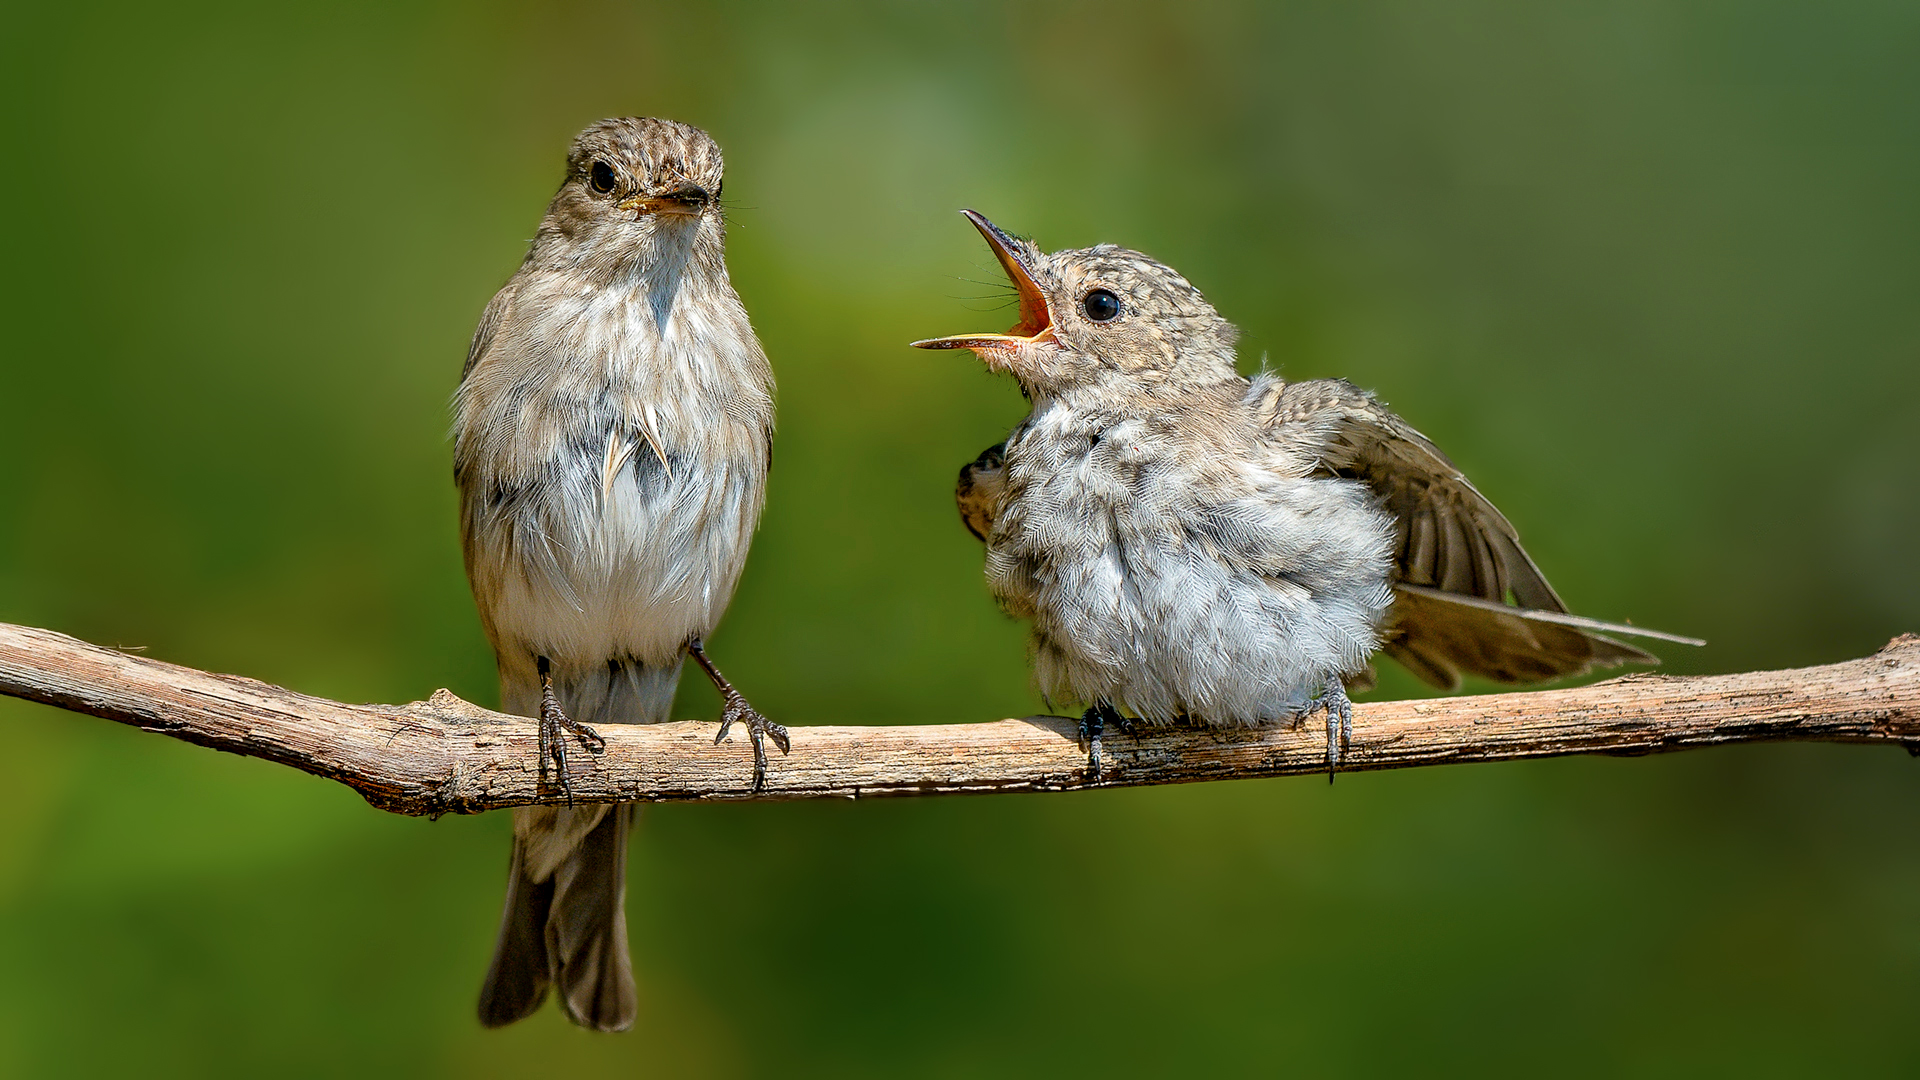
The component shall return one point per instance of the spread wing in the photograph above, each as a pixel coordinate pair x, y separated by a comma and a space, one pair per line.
1468, 598
978, 493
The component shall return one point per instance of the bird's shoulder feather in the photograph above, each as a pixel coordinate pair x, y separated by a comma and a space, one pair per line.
490, 320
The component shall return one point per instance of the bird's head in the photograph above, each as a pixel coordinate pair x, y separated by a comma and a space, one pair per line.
637, 186
1099, 316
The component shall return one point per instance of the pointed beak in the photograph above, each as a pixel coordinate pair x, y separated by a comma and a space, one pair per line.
687, 199
1035, 323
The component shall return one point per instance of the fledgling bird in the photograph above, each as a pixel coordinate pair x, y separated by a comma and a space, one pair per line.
1194, 546
612, 436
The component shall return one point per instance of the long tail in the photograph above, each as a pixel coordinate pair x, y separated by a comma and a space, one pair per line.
568, 925
565, 920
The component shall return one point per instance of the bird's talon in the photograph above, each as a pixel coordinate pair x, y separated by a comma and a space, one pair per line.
1334, 702
555, 726
758, 729
736, 708
1093, 723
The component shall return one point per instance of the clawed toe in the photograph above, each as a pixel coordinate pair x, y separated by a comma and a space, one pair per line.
1088, 739
588, 737
1334, 702
735, 709
555, 725
1093, 724
759, 729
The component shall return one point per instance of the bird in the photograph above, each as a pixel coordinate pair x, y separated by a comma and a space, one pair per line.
1197, 547
612, 437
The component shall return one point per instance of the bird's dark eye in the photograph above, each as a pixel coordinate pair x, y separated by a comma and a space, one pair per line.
600, 177
1101, 305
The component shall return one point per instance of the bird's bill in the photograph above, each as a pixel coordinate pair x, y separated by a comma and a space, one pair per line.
684, 199
1036, 323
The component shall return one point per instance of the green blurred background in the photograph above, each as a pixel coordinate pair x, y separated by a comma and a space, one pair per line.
1647, 271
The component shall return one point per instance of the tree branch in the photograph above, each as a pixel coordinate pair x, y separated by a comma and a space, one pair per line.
446, 755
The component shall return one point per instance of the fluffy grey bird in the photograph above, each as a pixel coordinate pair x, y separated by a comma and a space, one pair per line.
612, 438
1194, 546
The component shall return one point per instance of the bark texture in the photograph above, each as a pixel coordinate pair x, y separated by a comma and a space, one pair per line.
446, 755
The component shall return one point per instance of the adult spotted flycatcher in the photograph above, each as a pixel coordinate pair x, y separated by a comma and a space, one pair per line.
612, 438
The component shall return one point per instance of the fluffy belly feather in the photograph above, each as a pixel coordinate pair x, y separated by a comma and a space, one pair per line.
1154, 610
586, 568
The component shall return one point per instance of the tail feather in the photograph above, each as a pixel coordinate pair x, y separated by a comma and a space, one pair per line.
518, 979
565, 921
586, 931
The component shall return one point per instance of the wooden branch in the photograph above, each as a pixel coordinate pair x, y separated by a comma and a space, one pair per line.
445, 755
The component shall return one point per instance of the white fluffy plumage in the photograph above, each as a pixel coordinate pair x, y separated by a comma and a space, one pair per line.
1177, 577
1193, 545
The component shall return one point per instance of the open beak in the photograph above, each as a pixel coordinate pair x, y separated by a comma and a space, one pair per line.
684, 199
1035, 324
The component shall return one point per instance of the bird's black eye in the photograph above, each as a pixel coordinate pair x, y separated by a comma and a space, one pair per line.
1101, 305
600, 177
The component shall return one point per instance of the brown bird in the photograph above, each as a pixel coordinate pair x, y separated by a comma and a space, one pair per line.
612, 437
1195, 546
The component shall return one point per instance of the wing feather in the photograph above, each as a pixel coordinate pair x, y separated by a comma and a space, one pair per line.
1460, 567
490, 319
978, 491
1468, 597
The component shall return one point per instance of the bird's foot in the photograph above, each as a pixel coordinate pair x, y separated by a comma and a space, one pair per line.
555, 726
737, 711
1093, 724
1334, 702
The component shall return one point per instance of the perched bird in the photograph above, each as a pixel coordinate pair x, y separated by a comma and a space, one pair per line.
1197, 547
612, 437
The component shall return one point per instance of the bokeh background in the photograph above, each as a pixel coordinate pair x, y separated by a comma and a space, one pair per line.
1648, 271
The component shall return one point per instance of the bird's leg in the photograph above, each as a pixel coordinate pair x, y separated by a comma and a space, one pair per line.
555, 724
735, 708
1093, 724
1339, 709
